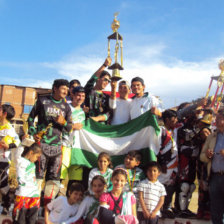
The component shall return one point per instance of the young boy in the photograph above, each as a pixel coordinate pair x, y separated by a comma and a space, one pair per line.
134, 174
74, 172
8, 140
61, 208
151, 195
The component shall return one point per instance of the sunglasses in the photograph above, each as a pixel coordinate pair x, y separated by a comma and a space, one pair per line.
106, 80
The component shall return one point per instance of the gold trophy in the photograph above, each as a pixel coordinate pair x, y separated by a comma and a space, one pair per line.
44, 131
116, 67
27, 140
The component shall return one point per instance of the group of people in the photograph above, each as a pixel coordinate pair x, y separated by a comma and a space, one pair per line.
190, 145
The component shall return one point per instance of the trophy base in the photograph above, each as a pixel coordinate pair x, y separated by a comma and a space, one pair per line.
28, 141
114, 78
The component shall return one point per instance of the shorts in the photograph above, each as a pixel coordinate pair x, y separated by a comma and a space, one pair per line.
25, 209
74, 172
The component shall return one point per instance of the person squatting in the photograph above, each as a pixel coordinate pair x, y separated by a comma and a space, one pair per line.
137, 190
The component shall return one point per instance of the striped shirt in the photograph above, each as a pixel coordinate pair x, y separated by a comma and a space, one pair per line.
152, 192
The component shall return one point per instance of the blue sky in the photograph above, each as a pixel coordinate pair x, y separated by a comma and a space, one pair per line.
174, 45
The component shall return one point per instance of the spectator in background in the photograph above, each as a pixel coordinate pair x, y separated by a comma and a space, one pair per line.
72, 84
213, 154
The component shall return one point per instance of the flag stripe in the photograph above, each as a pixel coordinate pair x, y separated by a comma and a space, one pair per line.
121, 130
142, 133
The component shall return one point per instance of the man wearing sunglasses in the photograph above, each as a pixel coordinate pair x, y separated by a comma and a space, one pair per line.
96, 100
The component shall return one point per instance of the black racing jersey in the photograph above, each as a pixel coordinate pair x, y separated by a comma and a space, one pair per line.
46, 109
98, 102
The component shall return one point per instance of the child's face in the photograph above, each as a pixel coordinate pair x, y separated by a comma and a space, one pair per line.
2, 114
130, 162
1, 111
153, 173
75, 197
118, 182
34, 156
103, 163
97, 188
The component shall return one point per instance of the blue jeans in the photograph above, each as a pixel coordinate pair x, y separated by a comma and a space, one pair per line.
216, 189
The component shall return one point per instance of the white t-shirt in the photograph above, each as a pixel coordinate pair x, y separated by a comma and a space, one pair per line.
151, 194
86, 206
142, 104
26, 176
61, 210
121, 110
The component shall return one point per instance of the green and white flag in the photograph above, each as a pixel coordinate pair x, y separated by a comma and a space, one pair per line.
142, 133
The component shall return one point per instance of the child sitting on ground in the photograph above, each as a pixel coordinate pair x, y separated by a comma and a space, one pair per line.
88, 208
151, 195
62, 208
104, 165
134, 174
117, 206
27, 201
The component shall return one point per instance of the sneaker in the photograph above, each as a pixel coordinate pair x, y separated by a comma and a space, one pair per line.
168, 214
182, 214
186, 214
190, 213
175, 211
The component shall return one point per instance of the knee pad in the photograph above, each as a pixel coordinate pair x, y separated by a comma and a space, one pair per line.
185, 187
183, 196
51, 189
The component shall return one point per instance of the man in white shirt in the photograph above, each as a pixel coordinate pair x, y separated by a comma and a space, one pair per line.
142, 101
121, 105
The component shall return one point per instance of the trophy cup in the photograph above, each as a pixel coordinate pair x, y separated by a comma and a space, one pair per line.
116, 67
27, 139
220, 83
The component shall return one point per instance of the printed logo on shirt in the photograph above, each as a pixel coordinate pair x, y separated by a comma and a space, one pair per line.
54, 111
46, 102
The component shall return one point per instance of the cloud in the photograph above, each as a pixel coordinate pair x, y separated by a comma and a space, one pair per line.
173, 79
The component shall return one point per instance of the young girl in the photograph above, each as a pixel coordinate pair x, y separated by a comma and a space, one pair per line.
61, 208
104, 165
27, 199
118, 206
88, 208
